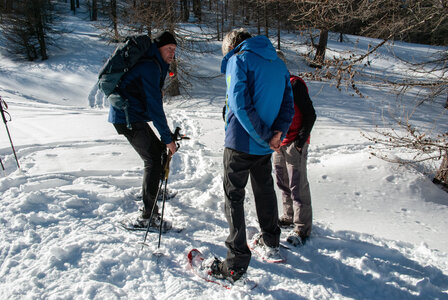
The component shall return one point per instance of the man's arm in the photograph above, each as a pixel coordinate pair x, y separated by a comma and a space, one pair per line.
154, 103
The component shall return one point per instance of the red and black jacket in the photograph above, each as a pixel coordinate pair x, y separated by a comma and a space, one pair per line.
304, 114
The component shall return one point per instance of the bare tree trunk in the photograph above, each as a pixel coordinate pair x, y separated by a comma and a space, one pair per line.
217, 21
278, 25
234, 12
226, 5
245, 6
94, 10
113, 11
266, 19
174, 87
40, 33
197, 10
321, 48
258, 17
222, 20
72, 6
8, 5
185, 10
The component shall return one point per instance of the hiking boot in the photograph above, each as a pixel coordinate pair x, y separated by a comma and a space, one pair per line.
269, 253
285, 221
169, 195
295, 239
142, 222
220, 271
156, 220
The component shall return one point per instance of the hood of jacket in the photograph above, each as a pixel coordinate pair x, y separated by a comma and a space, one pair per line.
259, 45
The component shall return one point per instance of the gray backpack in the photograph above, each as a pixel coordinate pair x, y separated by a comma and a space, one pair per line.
125, 56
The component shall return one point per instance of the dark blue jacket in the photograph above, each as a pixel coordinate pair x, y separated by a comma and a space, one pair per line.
142, 86
259, 96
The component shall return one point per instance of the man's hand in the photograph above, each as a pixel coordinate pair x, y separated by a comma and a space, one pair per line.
172, 147
275, 141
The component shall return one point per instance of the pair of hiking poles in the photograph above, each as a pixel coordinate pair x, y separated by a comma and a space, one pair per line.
6, 118
166, 159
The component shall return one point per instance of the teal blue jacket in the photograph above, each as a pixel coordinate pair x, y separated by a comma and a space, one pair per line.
259, 97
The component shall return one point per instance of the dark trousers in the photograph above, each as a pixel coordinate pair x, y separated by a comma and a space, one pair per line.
237, 168
150, 149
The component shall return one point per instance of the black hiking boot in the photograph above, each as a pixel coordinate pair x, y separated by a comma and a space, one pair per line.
142, 222
220, 271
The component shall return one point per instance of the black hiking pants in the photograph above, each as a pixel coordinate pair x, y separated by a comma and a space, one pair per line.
150, 148
237, 168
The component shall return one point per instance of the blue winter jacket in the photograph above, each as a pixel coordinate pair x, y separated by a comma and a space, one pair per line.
259, 96
142, 86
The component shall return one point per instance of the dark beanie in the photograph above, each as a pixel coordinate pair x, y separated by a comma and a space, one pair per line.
164, 38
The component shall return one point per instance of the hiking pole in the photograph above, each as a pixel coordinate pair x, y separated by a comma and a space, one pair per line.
167, 171
3, 108
164, 158
176, 137
152, 213
1, 163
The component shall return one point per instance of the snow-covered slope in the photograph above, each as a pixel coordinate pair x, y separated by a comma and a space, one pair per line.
379, 233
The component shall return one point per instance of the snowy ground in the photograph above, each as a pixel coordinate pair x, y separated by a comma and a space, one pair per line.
380, 230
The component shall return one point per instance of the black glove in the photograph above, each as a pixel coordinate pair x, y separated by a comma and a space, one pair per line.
224, 113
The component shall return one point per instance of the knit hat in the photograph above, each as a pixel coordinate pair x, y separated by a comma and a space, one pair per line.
164, 38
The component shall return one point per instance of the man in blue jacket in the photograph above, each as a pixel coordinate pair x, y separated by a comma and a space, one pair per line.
259, 110
142, 86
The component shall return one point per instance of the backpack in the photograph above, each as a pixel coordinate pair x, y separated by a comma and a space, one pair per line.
293, 78
125, 56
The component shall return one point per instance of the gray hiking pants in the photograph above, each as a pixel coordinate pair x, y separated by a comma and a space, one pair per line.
290, 171
237, 168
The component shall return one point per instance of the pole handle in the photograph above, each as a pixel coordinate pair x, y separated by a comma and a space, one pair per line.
3, 108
